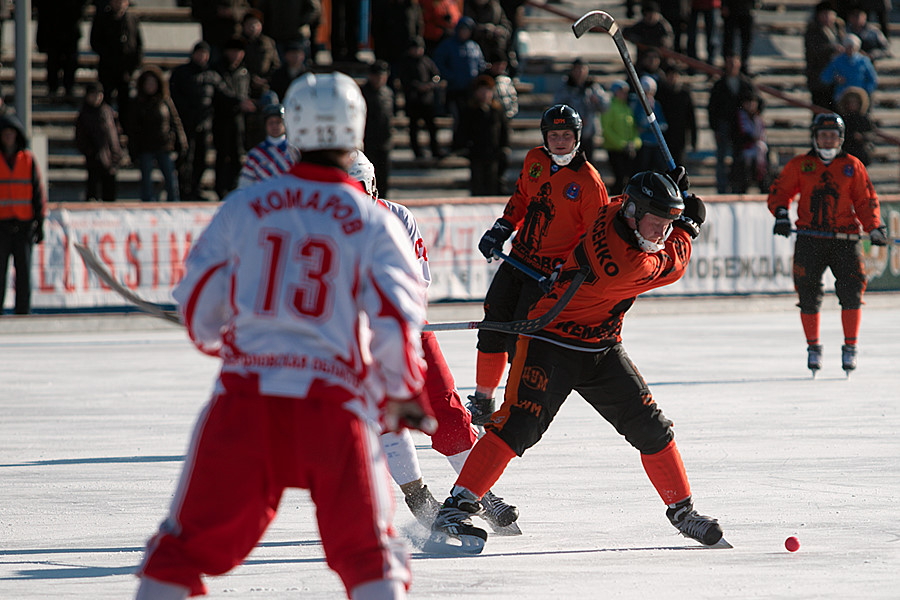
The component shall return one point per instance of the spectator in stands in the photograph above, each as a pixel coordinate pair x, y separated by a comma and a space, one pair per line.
116, 38
421, 82
395, 24
651, 30
724, 100
195, 88
460, 61
378, 138
587, 97
677, 104
504, 86
853, 106
822, 42
651, 63
260, 55
97, 138
850, 69
229, 118
154, 133
273, 156
23, 205
879, 9
751, 151
709, 10
345, 19
620, 137
287, 21
485, 137
875, 44
737, 16
220, 20
440, 17
58, 32
676, 12
649, 157
493, 31
294, 66
261, 60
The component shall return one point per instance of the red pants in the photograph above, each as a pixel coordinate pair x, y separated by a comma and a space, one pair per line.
247, 448
454, 433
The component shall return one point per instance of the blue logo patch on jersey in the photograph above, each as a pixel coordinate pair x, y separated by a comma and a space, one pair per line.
572, 191
848, 170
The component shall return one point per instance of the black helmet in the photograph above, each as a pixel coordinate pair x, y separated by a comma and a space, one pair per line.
273, 110
561, 116
650, 192
828, 121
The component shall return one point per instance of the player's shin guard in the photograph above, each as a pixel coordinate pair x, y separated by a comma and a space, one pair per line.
489, 369
666, 471
850, 321
485, 464
810, 322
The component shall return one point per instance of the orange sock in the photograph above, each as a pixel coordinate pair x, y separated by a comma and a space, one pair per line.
666, 472
485, 464
850, 321
810, 323
489, 369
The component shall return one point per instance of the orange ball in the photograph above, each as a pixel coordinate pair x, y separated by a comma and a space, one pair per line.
792, 544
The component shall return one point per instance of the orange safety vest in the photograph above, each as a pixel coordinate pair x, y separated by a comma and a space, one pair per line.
16, 188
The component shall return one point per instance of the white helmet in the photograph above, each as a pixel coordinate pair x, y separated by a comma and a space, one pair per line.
363, 170
324, 111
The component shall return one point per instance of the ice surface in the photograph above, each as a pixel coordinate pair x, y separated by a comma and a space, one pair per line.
94, 424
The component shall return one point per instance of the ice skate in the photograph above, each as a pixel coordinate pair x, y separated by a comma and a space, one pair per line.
423, 506
500, 515
848, 358
452, 531
481, 408
814, 358
690, 523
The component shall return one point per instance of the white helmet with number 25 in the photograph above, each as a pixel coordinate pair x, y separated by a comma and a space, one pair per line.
325, 111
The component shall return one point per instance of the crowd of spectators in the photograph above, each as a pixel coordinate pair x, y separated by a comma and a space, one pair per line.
433, 58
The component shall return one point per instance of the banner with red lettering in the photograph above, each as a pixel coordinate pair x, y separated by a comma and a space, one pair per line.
144, 248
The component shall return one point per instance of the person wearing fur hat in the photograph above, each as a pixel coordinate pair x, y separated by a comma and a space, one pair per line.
23, 205
853, 106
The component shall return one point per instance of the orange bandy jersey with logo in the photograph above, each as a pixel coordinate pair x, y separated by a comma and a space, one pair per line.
835, 197
617, 272
551, 210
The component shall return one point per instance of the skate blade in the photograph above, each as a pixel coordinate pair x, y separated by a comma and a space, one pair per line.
722, 544
442, 543
511, 529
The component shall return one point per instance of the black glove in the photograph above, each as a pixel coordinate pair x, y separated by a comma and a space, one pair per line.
37, 232
878, 236
693, 215
680, 177
782, 222
494, 237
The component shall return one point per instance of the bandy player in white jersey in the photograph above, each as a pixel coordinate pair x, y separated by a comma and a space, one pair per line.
455, 436
309, 294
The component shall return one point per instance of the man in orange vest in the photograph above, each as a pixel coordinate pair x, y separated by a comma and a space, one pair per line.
23, 205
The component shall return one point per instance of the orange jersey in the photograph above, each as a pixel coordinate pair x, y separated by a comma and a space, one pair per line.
552, 207
617, 272
837, 197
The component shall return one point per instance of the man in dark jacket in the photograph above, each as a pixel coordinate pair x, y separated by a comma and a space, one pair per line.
194, 87
724, 101
379, 112
58, 32
116, 38
23, 205
229, 124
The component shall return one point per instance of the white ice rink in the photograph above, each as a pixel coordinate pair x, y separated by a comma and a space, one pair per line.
94, 424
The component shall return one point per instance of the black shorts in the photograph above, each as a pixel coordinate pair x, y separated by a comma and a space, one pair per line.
812, 255
509, 298
543, 375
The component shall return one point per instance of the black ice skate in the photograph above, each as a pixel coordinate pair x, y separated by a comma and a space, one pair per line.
481, 408
423, 506
690, 523
452, 531
500, 515
848, 358
814, 358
